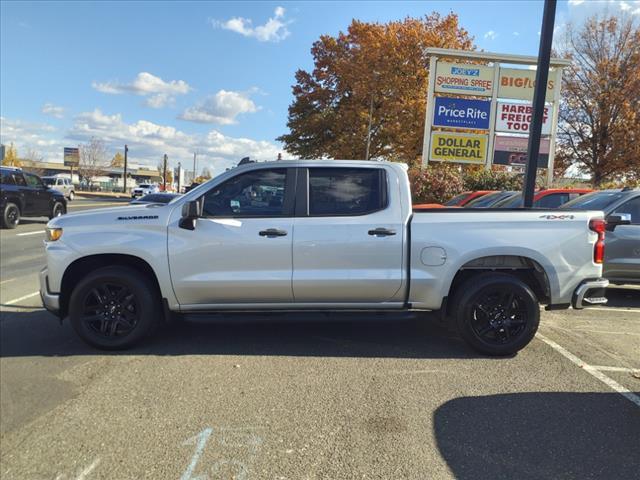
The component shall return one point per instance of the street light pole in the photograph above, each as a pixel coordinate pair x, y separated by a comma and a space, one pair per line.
366, 157
539, 95
164, 174
124, 187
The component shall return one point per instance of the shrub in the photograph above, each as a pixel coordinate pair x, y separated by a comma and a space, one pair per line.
435, 184
477, 178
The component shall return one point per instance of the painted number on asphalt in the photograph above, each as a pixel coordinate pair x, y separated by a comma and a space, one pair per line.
238, 445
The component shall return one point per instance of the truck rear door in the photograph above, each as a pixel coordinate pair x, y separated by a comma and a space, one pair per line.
348, 236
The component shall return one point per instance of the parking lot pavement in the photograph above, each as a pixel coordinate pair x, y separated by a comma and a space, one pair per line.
299, 396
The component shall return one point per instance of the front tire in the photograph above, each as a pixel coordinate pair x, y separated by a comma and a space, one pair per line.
10, 215
72, 195
114, 308
57, 210
496, 314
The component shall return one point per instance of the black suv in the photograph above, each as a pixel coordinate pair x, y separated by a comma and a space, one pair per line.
24, 194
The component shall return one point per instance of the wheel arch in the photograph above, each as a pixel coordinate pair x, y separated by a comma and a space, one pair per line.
79, 268
522, 267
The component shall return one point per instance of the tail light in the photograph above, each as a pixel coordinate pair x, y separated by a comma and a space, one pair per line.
599, 226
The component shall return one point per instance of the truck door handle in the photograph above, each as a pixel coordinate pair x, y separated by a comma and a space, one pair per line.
272, 232
382, 232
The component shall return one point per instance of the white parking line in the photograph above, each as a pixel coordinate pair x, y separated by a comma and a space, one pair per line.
609, 382
603, 368
29, 233
101, 204
2, 282
611, 309
24, 297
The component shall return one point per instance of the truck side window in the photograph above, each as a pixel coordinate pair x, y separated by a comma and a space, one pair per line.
259, 193
346, 191
632, 207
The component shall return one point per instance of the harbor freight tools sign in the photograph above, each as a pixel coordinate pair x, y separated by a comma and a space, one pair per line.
516, 118
519, 84
513, 151
459, 148
71, 157
464, 78
462, 113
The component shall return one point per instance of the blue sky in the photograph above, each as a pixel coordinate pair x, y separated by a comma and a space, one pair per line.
211, 77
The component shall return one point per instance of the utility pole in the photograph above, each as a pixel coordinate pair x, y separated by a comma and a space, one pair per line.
366, 157
124, 187
164, 174
179, 170
539, 95
194, 168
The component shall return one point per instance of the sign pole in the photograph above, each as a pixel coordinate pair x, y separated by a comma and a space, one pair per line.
492, 116
164, 174
429, 113
539, 94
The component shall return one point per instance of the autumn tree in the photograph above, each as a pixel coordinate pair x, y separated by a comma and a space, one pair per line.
93, 159
373, 78
599, 129
117, 161
11, 157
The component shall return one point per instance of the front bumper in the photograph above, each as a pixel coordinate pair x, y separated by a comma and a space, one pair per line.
50, 301
589, 293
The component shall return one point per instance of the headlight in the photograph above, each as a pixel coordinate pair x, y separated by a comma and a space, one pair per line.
53, 234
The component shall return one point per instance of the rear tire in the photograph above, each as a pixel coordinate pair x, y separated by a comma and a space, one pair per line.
72, 195
114, 308
57, 210
496, 314
10, 215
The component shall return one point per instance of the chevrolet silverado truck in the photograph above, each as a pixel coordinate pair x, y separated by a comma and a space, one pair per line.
319, 235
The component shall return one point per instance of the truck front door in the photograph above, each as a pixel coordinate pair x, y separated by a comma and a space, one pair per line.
240, 250
348, 236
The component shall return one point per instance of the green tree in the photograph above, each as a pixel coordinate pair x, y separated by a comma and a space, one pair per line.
373, 78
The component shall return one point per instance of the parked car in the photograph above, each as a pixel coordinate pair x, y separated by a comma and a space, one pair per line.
230, 244
155, 198
61, 184
144, 189
546, 198
490, 199
622, 243
466, 197
25, 195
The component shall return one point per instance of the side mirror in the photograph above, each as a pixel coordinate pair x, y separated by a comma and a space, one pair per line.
191, 211
618, 219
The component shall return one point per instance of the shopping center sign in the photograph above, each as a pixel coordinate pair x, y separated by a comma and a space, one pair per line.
462, 113
513, 151
458, 147
464, 78
520, 84
516, 118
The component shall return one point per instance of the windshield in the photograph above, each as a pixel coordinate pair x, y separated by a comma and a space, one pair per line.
457, 199
489, 200
593, 201
144, 185
49, 181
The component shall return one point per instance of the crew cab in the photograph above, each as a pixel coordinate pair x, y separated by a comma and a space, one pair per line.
318, 235
24, 194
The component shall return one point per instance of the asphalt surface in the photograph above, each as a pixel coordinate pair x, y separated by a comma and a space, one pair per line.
313, 396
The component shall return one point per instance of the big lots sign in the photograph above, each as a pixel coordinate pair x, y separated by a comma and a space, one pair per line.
516, 118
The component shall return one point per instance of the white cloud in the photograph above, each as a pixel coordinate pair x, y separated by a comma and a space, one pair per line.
576, 2
148, 141
53, 110
274, 30
159, 93
490, 35
221, 108
26, 136
516, 34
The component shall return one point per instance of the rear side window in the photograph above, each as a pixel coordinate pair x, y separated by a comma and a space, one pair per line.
6, 178
346, 191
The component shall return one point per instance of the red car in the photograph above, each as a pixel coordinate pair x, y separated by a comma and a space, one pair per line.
458, 201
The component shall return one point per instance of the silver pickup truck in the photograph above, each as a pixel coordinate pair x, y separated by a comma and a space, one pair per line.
319, 235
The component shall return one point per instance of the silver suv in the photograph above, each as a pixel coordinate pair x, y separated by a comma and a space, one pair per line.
622, 241
61, 184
